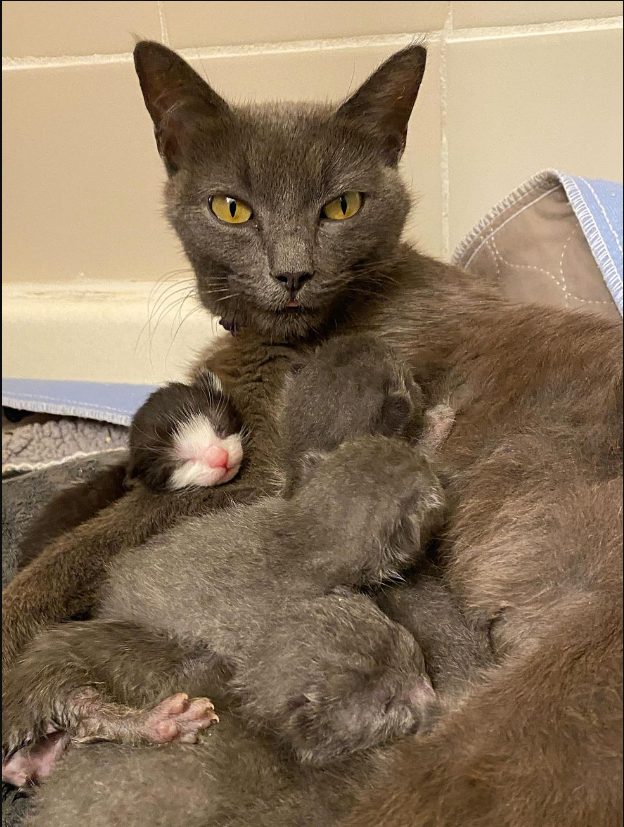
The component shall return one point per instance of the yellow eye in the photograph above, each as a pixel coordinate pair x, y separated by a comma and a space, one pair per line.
344, 206
230, 209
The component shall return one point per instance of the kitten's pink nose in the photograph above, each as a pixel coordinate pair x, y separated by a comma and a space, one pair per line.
216, 457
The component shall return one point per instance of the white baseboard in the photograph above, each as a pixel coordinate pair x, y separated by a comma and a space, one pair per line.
99, 331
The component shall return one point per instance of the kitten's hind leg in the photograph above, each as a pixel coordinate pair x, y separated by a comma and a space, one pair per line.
71, 680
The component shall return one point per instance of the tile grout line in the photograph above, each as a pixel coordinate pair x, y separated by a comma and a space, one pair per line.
211, 52
592, 24
330, 44
444, 150
164, 31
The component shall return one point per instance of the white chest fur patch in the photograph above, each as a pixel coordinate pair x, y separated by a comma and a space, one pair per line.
201, 457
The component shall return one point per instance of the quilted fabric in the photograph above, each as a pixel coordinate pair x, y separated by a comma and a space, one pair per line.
555, 240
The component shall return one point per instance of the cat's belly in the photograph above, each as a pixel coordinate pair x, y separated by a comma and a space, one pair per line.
533, 536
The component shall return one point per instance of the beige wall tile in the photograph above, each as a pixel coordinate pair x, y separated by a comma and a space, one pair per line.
54, 28
215, 23
82, 179
98, 334
519, 105
467, 14
81, 182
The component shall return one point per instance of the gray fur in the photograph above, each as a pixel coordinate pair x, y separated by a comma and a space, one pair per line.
253, 588
286, 163
233, 778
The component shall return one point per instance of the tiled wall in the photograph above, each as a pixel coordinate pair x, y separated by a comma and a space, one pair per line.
511, 88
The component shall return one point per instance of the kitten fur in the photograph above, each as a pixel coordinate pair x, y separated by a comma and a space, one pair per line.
532, 545
186, 435
327, 672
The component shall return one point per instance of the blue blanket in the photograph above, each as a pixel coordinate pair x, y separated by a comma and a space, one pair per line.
599, 208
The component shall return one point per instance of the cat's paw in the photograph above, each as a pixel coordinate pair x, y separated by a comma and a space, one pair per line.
177, 718
23, 724
30, 764
30, 743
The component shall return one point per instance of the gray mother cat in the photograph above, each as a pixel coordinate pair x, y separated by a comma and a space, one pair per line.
534, 536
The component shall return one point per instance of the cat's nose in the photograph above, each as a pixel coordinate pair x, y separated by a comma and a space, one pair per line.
293, 282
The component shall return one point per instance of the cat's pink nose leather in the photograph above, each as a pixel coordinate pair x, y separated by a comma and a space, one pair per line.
216, 457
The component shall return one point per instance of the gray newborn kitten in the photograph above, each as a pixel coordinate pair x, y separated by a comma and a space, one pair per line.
263, 590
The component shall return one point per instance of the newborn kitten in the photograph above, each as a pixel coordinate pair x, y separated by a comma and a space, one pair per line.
255, 588
186, 435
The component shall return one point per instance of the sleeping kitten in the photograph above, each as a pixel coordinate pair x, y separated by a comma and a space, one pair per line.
185, 436
255, 588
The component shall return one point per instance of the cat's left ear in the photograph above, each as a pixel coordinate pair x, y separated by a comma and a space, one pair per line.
382, 106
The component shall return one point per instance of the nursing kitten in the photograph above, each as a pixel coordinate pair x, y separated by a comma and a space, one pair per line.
327, 672
185, 436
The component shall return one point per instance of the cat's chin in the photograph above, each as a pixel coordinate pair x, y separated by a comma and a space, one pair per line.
285, 325
288, 324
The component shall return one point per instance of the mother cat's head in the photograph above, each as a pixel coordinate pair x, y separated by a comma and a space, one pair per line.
283, 210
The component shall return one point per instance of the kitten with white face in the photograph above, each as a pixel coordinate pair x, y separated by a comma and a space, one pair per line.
185, 436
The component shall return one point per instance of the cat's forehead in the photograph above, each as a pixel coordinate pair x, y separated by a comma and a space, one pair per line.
299, 145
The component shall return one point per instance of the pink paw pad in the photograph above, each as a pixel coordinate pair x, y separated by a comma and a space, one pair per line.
31, 764
179, 718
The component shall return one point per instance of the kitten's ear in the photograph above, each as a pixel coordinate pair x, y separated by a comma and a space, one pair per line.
177, 99
383, 104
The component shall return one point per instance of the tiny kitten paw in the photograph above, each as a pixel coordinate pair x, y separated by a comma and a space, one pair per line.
27, 766
177, 718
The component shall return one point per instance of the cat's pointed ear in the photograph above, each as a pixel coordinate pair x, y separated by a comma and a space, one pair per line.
176, 97
383, 104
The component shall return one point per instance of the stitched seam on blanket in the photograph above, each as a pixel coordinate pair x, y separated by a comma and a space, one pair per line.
510, 201
595, 239
506, 221
604, 212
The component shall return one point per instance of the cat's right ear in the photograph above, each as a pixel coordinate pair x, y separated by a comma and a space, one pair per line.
178, 100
